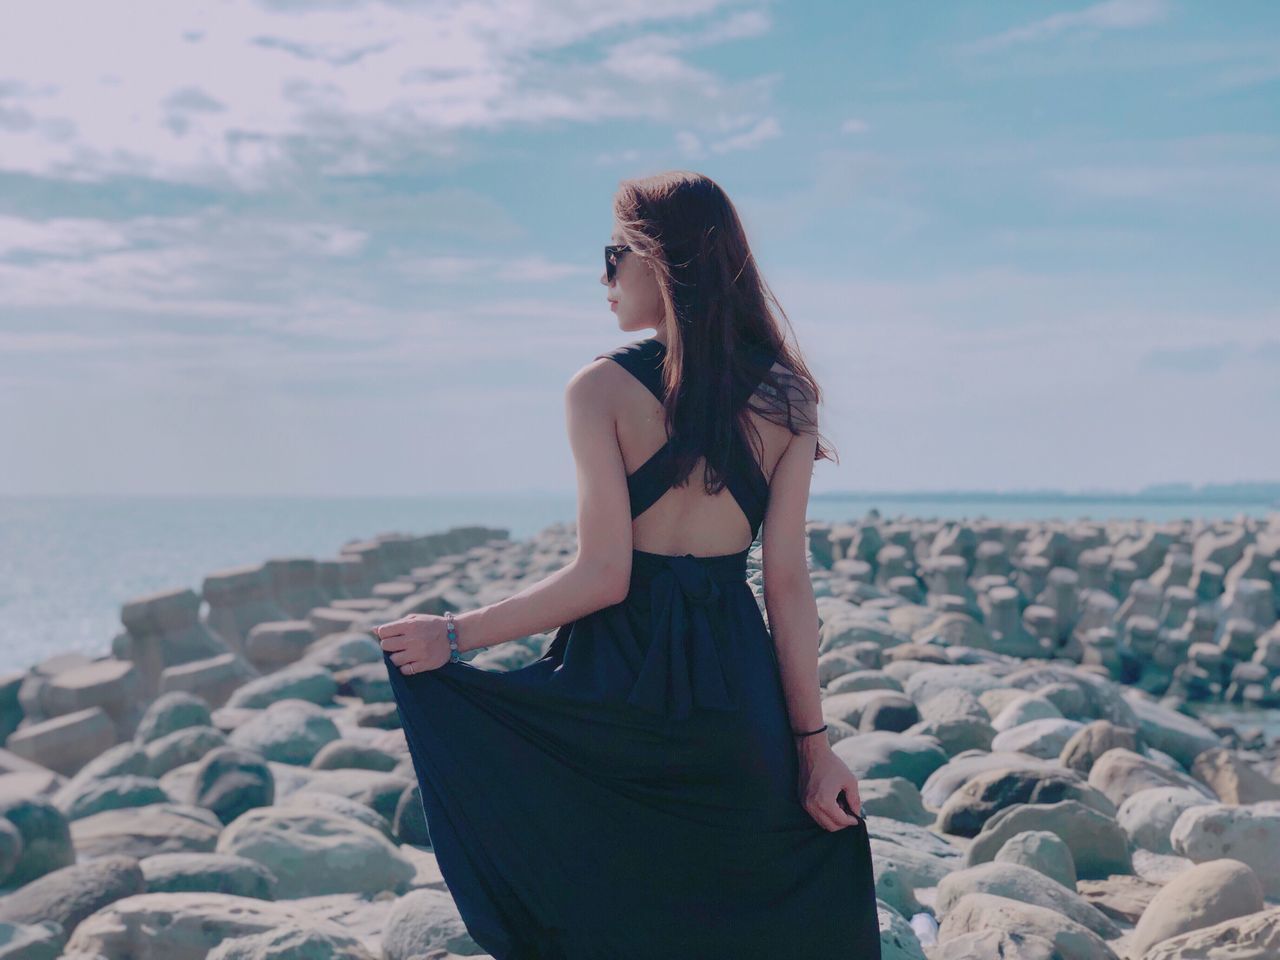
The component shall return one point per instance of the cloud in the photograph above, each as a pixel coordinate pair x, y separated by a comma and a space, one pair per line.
854, 125
1211, 357
767, 128
1109, 15
252, 95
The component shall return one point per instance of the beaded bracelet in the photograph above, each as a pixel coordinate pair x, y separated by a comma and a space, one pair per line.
451, 627
811, 732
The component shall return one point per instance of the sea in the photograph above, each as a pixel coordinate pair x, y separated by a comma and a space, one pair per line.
69, 563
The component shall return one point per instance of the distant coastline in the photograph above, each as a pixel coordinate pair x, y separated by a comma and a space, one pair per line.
1250, 494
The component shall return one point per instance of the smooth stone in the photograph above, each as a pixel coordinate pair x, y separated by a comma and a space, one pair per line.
1026, 885
1098, 846
976, 912
141, 832
207, 873
313, 852
1043, 851
69, 894
187, 926
1148, 816
1207, 894
1243, 833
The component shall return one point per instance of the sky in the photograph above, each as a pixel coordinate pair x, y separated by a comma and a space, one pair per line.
354, 248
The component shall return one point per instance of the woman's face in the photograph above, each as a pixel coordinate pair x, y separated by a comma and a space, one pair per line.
634, 294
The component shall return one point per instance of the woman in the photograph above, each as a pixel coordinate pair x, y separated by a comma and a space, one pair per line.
659, 784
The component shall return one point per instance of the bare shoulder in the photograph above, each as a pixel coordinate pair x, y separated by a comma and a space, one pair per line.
594, 382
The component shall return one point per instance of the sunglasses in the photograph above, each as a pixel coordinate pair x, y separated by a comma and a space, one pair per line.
611, 254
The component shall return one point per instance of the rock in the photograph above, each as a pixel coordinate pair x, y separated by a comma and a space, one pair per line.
898, 940
343, 806
1208, 893
410, 822
1252, 937
1232, 778
888, 710
1120, 773
42, 941
996, 945
1039, 738
380, 791
1024, 709
289, 731
67, 742
342, 651
112, 793
69, 894
1027, 886
144, 831
230, 780
120, 760
10, 848
1148, 816
1092, 741
990, 791
303, 681
946, 780
112, 685
1180, 736
928, 682
1098, 846
1247, 834
46, 837
348, 754
277, 643
1120, 897
290, 943
312, 852
171, 712
164, 630
212, 679
425, 920
883, 753
182, 746
208, 873
369, 682
1042, 851
894, 797
977, 912
187, 926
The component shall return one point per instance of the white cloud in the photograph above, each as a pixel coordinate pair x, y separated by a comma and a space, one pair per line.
854, 125
250, 95
1109, 15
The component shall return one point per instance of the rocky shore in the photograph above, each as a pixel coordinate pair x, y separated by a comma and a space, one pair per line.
1017, 699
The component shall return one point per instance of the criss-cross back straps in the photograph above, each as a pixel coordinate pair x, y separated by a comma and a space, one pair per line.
745, 479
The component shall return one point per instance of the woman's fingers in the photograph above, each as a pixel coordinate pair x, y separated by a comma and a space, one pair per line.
392, 644
401, 657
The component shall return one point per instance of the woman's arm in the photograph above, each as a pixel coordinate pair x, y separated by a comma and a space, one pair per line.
788, 592
793, 621
600, 574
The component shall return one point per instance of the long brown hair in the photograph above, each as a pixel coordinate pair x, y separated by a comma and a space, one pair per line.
720, 320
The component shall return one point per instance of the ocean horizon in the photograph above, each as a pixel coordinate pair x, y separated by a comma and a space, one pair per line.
69, 563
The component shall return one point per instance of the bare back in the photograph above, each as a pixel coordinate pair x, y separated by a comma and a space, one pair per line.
685, 519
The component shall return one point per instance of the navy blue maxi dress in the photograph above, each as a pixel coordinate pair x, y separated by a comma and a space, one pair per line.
632, 794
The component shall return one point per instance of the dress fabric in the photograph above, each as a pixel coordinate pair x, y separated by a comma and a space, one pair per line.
632, 794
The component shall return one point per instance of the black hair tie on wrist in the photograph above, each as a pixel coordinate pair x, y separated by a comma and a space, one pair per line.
811, 732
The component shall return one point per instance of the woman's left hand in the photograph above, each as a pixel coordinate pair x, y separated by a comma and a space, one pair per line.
823, 778
416, 643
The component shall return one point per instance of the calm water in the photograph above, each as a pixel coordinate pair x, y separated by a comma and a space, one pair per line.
67, 564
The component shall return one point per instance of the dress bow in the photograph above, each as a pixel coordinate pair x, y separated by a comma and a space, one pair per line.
683, 666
